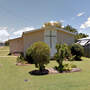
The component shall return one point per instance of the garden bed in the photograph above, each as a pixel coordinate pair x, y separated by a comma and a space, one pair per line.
54, 71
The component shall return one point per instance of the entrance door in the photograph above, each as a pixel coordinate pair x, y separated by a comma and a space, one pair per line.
51, 39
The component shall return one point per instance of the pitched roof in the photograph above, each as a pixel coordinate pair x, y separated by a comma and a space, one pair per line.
26, 32
52, 27
15, 38
87, 38
31, 31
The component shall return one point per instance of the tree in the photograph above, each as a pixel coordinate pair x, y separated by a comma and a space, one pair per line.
67, 28
6, 43
70, 29
56, 24
73, 30
61, 54
80, 35
40, 53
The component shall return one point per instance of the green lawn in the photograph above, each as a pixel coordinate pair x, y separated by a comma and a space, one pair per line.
4, 51
4, 48
13, 77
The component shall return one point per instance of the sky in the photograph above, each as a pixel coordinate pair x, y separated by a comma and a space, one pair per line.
17, 16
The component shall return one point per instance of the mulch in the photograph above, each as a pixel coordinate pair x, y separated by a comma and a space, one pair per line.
48, 70
37, 72
52, 71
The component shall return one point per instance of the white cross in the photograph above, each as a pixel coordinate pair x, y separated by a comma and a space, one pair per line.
50, 38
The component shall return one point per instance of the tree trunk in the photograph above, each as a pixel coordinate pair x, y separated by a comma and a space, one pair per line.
41, 67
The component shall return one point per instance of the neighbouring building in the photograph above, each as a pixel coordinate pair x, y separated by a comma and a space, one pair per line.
50, 35
85, 42
2, 43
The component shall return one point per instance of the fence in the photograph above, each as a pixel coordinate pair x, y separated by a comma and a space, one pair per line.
87, 50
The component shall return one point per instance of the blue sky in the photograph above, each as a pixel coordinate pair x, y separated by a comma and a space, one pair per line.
17, 16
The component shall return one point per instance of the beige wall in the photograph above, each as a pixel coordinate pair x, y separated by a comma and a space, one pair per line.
64, 37
21, 44
16, 45
32, 37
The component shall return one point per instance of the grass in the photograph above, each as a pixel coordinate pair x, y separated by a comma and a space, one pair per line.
14, 77
4, 51
4, 48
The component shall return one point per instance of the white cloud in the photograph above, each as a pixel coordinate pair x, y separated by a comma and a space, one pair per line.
18, 33
3, 28
80, 14
56, 21
86, 24
61, 21
82, 26
62, 26
4, 35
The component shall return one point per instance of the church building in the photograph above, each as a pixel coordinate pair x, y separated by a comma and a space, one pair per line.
50, 35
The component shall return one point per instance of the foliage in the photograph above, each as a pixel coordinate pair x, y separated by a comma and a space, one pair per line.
80, 35
62, 53
21, 59
67, 28
7, 43
28, 57
70, 29
73, 30
71, 57
66, 67
56, 24
12, 75
69, 66
67, 50
40, 54
77, 50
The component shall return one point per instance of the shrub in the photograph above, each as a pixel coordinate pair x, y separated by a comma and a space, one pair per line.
66, 67
69, 66
21, 59
40, 54
66, 48
62, 53
28, 57
77, 51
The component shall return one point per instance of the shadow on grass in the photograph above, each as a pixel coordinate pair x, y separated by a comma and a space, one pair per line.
37, 72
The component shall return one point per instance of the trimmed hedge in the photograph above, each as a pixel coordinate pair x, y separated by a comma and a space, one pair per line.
77, 50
